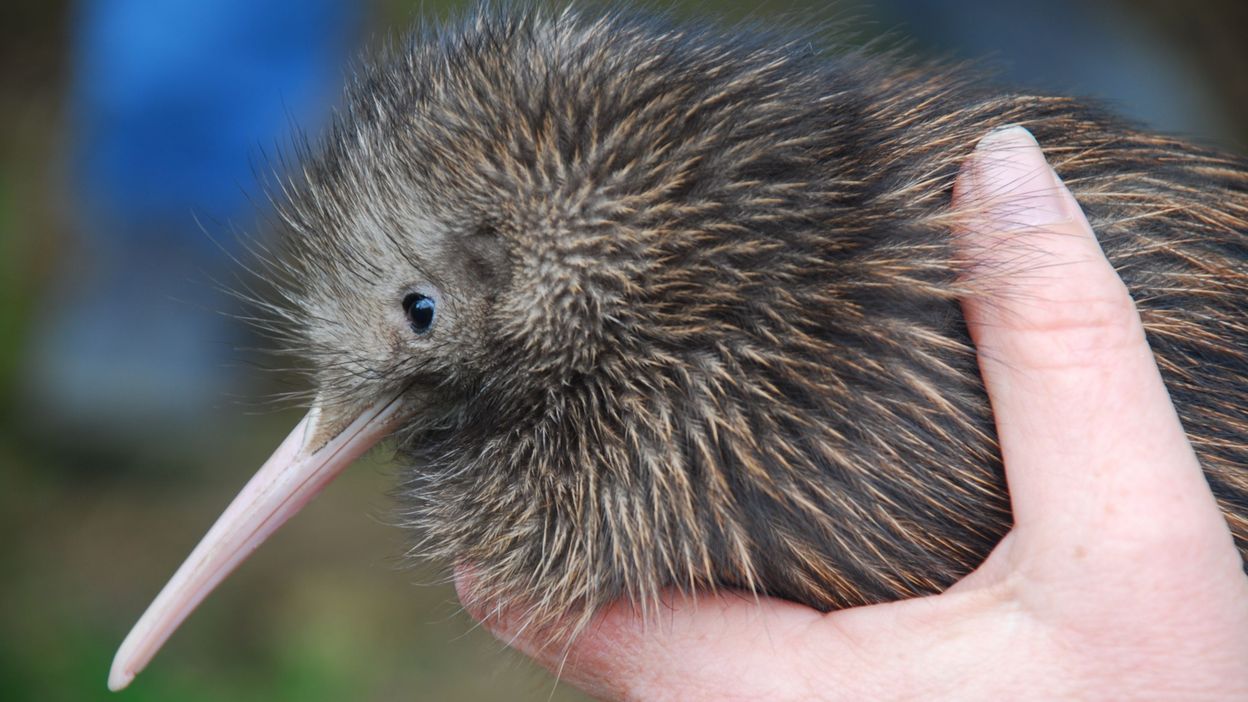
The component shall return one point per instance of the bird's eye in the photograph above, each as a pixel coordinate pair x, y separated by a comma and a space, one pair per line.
420, 312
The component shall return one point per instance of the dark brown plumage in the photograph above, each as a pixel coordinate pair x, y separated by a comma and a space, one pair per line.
669, 306
697, 304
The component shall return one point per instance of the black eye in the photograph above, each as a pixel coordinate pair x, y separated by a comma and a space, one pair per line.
420, 312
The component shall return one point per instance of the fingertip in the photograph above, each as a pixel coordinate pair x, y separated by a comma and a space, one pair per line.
1009, 180
1027, 251
1007, 196
485, 607
464, 579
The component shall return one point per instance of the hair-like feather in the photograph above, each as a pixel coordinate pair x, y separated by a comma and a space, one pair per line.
699, 320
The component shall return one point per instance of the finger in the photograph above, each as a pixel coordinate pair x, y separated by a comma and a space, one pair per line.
689, 648
1090, 439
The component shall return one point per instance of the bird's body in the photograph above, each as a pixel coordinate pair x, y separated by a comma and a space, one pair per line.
696, 294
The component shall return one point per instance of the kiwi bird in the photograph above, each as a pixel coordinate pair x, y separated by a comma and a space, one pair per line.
646, 305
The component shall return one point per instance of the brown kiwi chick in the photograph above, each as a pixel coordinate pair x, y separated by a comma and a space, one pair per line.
650, 306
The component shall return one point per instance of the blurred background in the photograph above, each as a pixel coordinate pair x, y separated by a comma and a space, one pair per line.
131, 408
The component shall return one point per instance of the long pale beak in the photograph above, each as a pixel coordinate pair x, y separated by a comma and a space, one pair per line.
317, 450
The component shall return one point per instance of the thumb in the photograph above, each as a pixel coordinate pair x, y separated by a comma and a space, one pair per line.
1091, 442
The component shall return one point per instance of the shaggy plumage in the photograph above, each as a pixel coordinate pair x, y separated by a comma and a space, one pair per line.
697, 290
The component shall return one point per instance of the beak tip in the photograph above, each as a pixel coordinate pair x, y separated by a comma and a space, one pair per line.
119, 678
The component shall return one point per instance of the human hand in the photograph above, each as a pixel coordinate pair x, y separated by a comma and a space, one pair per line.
1119, 579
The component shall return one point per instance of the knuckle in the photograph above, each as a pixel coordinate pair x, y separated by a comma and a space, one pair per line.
1079, 332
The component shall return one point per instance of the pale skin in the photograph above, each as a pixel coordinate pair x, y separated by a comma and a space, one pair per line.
1119, 579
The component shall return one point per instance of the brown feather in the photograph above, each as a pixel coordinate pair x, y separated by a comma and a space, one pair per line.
702, 324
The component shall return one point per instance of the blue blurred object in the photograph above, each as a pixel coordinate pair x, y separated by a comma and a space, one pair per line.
172, 98
1067, 47
174, 104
